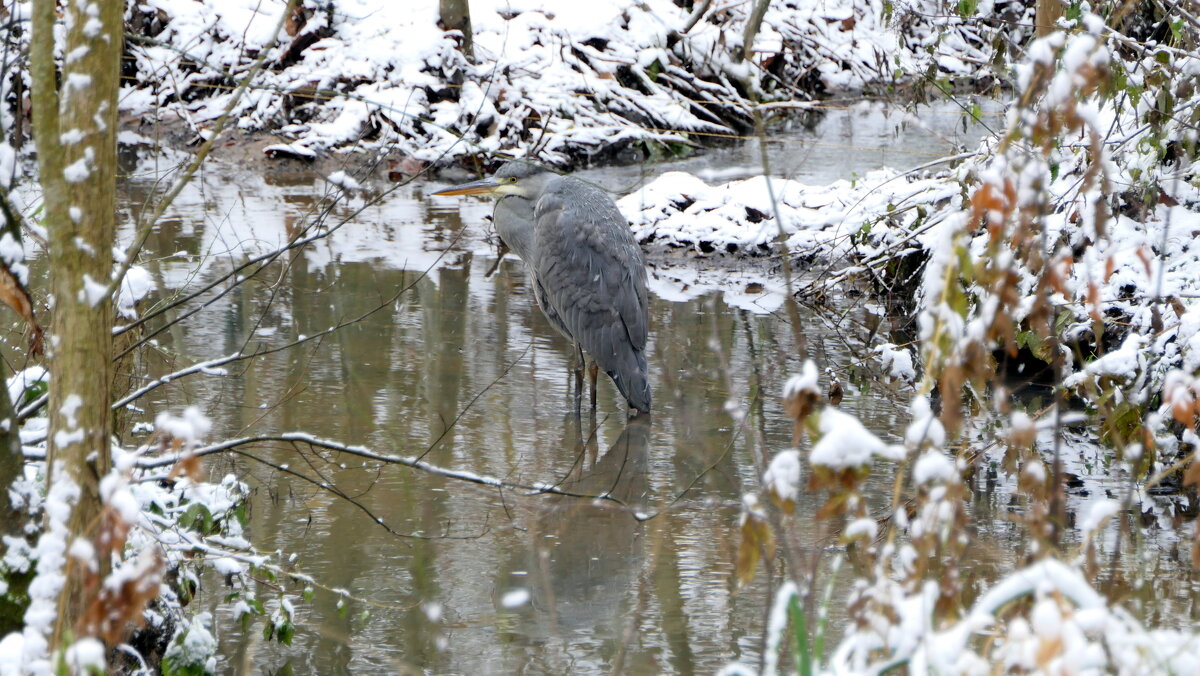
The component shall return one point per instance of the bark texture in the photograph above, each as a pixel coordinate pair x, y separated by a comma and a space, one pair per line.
11, 460
753, 24
75, 127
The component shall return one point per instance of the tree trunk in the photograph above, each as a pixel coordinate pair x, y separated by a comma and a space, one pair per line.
75, 127
12, 462
752, 26
12, 466
456, 15
1048, 14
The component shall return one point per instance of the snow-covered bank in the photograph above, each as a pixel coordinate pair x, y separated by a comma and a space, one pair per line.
1070, 241
1111, 206
748, 216
564, 84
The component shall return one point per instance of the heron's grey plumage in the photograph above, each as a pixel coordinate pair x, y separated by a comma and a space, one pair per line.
586, 269
590, 272
514, 213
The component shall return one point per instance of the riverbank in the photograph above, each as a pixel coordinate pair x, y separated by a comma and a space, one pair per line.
993, 420
574, 86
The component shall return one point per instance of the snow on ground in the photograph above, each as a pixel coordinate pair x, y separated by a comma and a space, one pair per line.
561, 82
749, 216
1140, 268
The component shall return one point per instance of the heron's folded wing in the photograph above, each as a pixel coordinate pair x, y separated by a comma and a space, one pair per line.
590, 268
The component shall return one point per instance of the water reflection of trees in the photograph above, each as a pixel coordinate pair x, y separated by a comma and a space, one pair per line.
397, 380
465, 366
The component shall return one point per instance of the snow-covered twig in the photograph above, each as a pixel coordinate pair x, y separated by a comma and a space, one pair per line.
414, 462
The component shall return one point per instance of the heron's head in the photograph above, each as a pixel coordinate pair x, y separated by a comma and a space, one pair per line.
516, 177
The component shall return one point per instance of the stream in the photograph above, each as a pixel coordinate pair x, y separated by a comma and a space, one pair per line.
441, 358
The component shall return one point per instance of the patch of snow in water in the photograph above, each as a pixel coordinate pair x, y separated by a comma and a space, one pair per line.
515, 598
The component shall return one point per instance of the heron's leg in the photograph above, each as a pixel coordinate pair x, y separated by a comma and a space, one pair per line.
593, 373
578, 370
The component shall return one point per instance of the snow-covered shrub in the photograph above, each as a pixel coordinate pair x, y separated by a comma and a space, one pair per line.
153, 534
1075, 244
193, 649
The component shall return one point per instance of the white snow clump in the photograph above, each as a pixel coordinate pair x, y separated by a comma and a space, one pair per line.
846, 444
783, 475
136, 285
805, 382
897, 362
193, 646
190, 428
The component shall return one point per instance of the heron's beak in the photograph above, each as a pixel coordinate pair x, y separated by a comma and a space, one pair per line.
480, 187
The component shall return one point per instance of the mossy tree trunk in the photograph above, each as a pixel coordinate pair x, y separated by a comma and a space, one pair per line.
12, 465
75, 127
12, 462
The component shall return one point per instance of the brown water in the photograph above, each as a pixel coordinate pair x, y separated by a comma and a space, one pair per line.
603, 588
464, 367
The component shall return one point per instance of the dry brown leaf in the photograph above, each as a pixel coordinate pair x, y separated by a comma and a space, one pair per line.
756, 541
189, 466
1143, 255
1177, 306
117, 609
1093, 295
835, 393
1191, 477
14, 295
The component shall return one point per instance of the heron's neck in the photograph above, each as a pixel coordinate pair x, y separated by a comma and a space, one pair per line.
514, 222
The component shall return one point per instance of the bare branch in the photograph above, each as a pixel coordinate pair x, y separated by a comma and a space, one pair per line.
697, 14
145, 225
414, 462
332, 488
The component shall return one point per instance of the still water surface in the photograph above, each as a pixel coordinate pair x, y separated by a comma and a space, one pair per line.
464, 366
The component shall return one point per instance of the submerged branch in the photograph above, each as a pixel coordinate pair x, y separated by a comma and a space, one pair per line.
414, 462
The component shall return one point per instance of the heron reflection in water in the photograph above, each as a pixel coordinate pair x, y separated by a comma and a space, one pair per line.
581, 558
586, 269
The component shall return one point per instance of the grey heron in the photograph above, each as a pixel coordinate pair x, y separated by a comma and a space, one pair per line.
586, 269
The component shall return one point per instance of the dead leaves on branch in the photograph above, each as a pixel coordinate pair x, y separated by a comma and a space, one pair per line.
757, 541
1012, 291
13, 291
1181, 397
16, 296
800, 397
117, 599
119, 604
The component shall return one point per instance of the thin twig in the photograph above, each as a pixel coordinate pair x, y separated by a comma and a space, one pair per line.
145, 225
